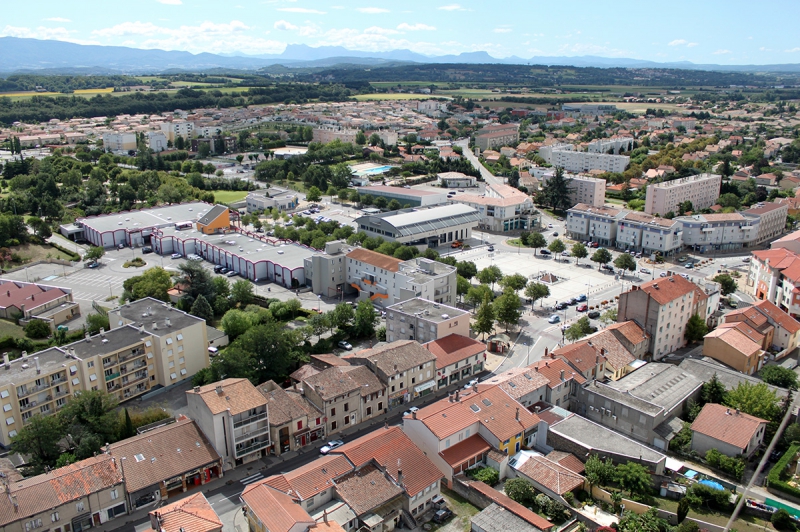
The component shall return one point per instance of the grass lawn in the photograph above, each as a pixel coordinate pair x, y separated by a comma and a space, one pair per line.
743, 522
515, 242
229, 196
462, 508
34, 252
9, 328
95, 91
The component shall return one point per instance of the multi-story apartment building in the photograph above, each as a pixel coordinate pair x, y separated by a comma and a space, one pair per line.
75, 497
582, 188
565, 156
293, 421
502, 208
179, 340
594, 224
702, 190
649, 234
705, 233
423, 320
156, 140
348, 136
119, 142
178, 128
386, 280
612, 146
772, 222
662, 307
405, 368
497, 135
326, 272
233, 415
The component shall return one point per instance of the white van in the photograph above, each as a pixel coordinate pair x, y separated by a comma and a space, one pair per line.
213, 351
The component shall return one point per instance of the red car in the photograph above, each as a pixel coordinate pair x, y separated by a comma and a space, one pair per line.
595, 244
582, 308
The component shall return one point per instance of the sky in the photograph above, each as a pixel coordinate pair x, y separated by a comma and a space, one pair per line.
700, 31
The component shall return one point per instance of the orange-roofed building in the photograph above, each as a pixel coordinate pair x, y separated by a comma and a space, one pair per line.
734, 348
729, 431
457, 357
192, 514
272, 510
562, 380
216, 220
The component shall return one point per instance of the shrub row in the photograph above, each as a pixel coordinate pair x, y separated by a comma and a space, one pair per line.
777, 477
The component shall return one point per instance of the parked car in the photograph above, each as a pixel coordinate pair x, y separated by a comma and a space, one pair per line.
231, 273
608, 267
561, 306
147, 249
456, 244
582, 308
218, 268
344, 345
644, 270
595, 245
582, 297
554, 319
746, 259
682, 259
491, 248
549, 226
560, 218
410, 411
93, 265
662, 274
325, 449
544, 252
470, 384
176, 256
565, 253
572, 301
594, 314
442, 515
555, 233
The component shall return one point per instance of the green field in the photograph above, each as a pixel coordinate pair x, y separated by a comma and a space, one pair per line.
229, 196
393, 96
8, 328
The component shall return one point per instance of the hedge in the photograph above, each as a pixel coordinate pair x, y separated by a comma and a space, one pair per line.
775, 479
74, 256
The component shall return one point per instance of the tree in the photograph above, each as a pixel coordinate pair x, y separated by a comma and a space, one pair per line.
508, 308
361, 138
203, 150
202, 309
222, 287
39, 439
477, 293
782, 520
393, 205
94, 254
484, 318
729, 200
557, 246
579, 251
625, 262
235, 323
381, 202
319, 323
727, 283
127, 430
154, 283
536, 241
364, 320
197, 279
91, 420
609, 316
683, 509
779, 376
242, 293
268, 351
598, 472
95, 322
466, 269
490, 275
634, 478
696, 329
314, 194
646, 522
578, 330
462, 286
515, 281
601, 256
520, 490
37, 329
535, 291
754, 399
556, 191
342, 316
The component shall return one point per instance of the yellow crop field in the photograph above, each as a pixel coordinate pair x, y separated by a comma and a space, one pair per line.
26, 94
95, 91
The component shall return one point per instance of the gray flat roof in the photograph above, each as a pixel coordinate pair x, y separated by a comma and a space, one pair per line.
625, 398
50, 361
435, 310
705, 370
600, 438
662, 384
495, 518
144, 218
398, 191
108, 342
144, 312
420, 220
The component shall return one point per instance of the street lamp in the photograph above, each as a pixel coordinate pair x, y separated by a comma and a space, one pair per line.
319, 302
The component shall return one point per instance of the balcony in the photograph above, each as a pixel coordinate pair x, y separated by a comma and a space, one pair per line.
112, 376
31, 404
248, 420
249, 435
138, 353
32, 389
110, 363
241, 451
129, 369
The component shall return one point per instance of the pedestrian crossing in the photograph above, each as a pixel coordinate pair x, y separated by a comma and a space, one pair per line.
252, 478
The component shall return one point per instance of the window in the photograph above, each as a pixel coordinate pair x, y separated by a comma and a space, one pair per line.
310, 502
54, 517
114, 494
319, 420
346, 407
333, 425
33, 523
180, 349
181, 360
90, 364
6, 408
179, 337
169, 352
346, 420
173, 376
171, 364
300, 425
79, 507
169, 341
369, 410
333, 411
380, 406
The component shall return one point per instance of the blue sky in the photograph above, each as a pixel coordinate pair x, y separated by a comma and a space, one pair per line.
704, 31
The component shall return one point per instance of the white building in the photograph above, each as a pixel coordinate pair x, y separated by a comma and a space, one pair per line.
583, 188
565, 156
424, 321
281, 199
614, 144
501, 208
156, 141
708, 232
594, 224
456, 180
649, 234
772, 222
178, 128
329, 135
702, 190
119, 142
422, 227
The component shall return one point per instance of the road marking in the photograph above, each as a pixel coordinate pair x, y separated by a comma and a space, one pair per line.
531, 347
737, 297
252, 478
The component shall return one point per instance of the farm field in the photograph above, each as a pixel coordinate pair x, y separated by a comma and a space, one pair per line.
393, 96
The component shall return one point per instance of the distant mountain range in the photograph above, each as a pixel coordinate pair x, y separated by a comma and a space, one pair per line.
51, 57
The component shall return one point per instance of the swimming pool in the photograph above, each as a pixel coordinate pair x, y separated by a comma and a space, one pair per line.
373, 171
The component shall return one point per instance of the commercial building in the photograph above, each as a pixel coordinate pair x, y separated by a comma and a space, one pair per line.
457, 358
644, 405
649, 234
232, 414
727, 430
424, 320
293, 421
430, 227
582, 188
594, 224
410, 197
502, 208
50, 304
271, 198
164, 462
725, 231
457, 180
662, 307
386, 280
75, 497
701, 190
326, 272
564, 156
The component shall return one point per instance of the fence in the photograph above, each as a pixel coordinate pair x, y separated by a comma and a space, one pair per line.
100, 310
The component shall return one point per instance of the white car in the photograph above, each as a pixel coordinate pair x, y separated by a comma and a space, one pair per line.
410, 411
325, 449
177, 256
662, 274
549, 226
644, 270
470, 384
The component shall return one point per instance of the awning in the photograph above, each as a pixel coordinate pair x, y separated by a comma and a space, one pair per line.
673, 465
426, 386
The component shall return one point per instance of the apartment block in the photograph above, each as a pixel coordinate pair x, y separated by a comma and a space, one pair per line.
293, 421
583, 189
612, 146
565, 156
423, 320
702, 190
772, 222
178, 128
595, 224
649, 234
662, 307
232, 414
705, 233
329, 135
119, 142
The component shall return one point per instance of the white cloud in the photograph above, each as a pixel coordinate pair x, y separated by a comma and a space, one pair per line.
284, 25
41, 32
170, 2
58, 19
678, 42
792, 50
502, 30
415, 27
691, 45
451, 7
764, 49
721, 52
375, 30
148, 28
130, 28
372, 10
301, 10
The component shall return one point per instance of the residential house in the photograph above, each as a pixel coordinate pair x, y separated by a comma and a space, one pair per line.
734, 347
233, 415
457, 358
705, 369
584, 358
271, 510
547, 476
562, 379
424, 320
293, 421
525, 385
533, 521
192, 514
727, 430
780, 329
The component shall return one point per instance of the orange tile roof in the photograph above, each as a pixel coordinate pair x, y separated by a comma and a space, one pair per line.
236, 395
775, 314
751, 314
465, 449
630, 330
736, 339
393, 450
552, 368
512, 506
727, 425
374, 258
192, 514
365, 489
568, 460
666, 289
606, 343
454, 348
580, 355
550, 474
745, 329
518, 382
277, 510
312, 478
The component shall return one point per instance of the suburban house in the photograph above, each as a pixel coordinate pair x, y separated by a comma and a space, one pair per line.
192, 514
729, 431
546, 475
525, 385
732, 345
457, 358
293, 421
781, 329
584, 358
562, 379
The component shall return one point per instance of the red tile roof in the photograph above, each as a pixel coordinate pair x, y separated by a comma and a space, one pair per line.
393, 450
374, 258
774, 314
454, 348
568, 460
727, 425
277, 510
581, 356
365, 489
552, 368
736, 339
312, 478
235, 395
549, 474
664, 290
192, 514
464, 450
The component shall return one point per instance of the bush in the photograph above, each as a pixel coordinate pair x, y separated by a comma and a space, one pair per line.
487, 475
702, 495
732, 466
37, 329
779, 473
520, 490
782, 520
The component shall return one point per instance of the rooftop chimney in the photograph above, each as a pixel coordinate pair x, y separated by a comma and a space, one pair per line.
475, 387
517, 414
414, 414
196, 389
219, 390
36, 361
155, 326
400, 476
562, 374
168, 323
456, 398
6, 362
102, 332
88, 336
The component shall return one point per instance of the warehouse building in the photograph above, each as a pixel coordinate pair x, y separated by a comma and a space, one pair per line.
422, 227
405, 196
